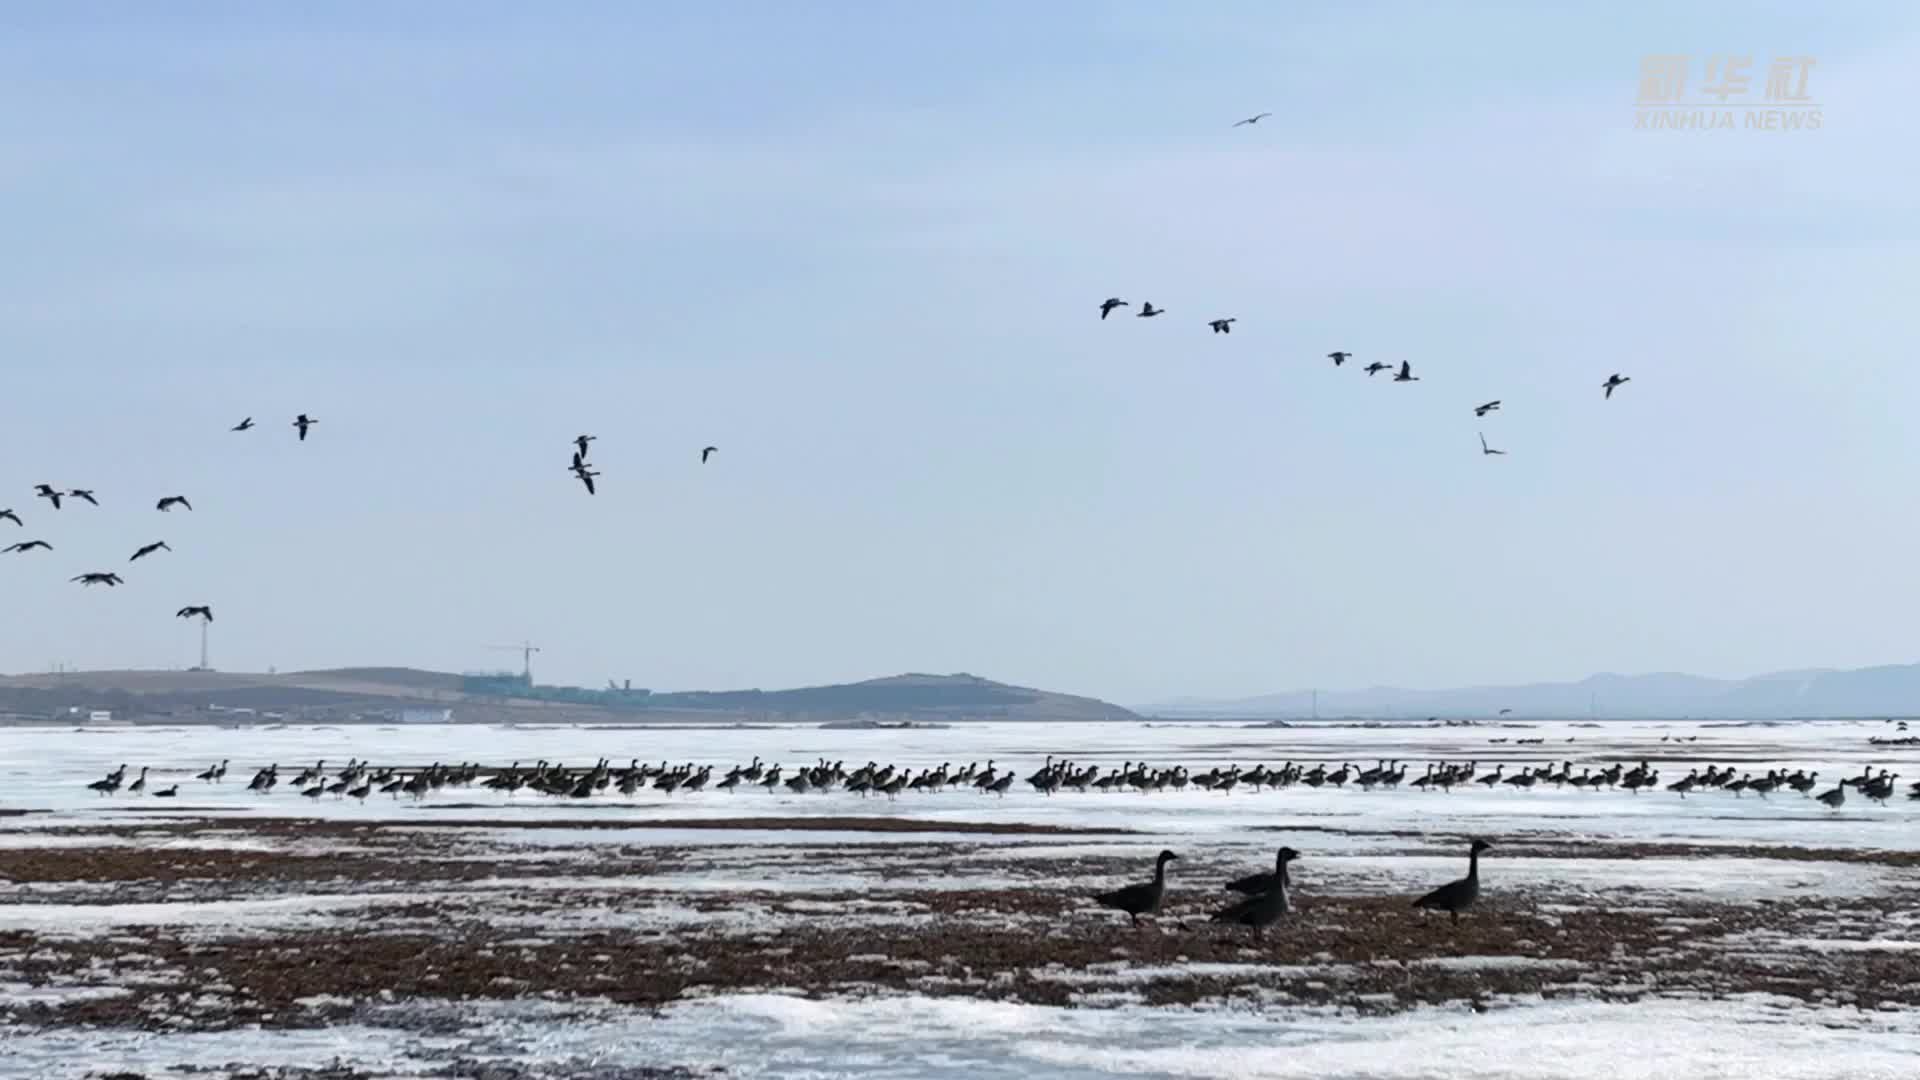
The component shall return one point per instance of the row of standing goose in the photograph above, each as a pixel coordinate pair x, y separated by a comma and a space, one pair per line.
1265, 899
557, 779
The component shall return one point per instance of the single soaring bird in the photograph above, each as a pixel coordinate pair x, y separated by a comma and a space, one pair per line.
1612, 382
244, 425
303, 422
1376, 368
1406, 373
83, 493
45, 491
9, 515
1148, 311
586, 476
167, 504
157, 545
1491, 406
1252, 119
1107, 306
1223, 326
30, 545
1457, 896
1485, 449
201, 611
1143, 898
98, 579
1339, 358
707, 452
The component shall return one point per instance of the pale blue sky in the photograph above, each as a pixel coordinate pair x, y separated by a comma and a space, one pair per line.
859, 246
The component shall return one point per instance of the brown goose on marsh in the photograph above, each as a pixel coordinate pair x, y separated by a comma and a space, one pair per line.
1457, 896
1142, 898
1266, 908
1255, 884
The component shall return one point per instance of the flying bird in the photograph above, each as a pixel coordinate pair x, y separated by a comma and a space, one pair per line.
1406, 373
1505, 712
99, 579
1148, 311
1484, 449
171, 501
1376, 368
1252, 119
244, 425
586, 476
202, 611
1107, 306
1612, 382
303, 422
1338, 358
158, 545
30, 545
1482, 410
581, 441
46, 492
9, 515
82, 493
706, 453
1223, 326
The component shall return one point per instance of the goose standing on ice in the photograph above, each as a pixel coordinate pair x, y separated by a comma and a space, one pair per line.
1142, 898
1265, 908
1457, 896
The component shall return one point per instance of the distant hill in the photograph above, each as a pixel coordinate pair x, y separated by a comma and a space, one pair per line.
1892, 690
346, 692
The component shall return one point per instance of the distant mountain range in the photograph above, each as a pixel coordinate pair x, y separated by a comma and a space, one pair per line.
1892, 690
366, 694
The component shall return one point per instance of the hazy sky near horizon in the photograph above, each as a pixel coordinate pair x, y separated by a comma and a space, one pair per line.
859, 248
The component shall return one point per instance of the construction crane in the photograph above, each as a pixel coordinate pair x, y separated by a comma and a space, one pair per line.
526, 649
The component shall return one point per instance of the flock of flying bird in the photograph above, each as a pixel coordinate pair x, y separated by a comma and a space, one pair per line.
54, 497
358, 779
1339, 357
102, 577
301, 424
584, 471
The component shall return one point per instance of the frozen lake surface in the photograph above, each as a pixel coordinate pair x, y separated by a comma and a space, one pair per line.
113, 903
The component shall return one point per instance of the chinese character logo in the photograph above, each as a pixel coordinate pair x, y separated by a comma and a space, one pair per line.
1787, 78
1731, 73
1663, 79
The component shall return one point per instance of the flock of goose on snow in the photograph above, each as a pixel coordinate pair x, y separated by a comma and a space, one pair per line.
359, 779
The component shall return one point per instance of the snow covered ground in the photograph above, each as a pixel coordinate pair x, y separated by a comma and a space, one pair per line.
219, 866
